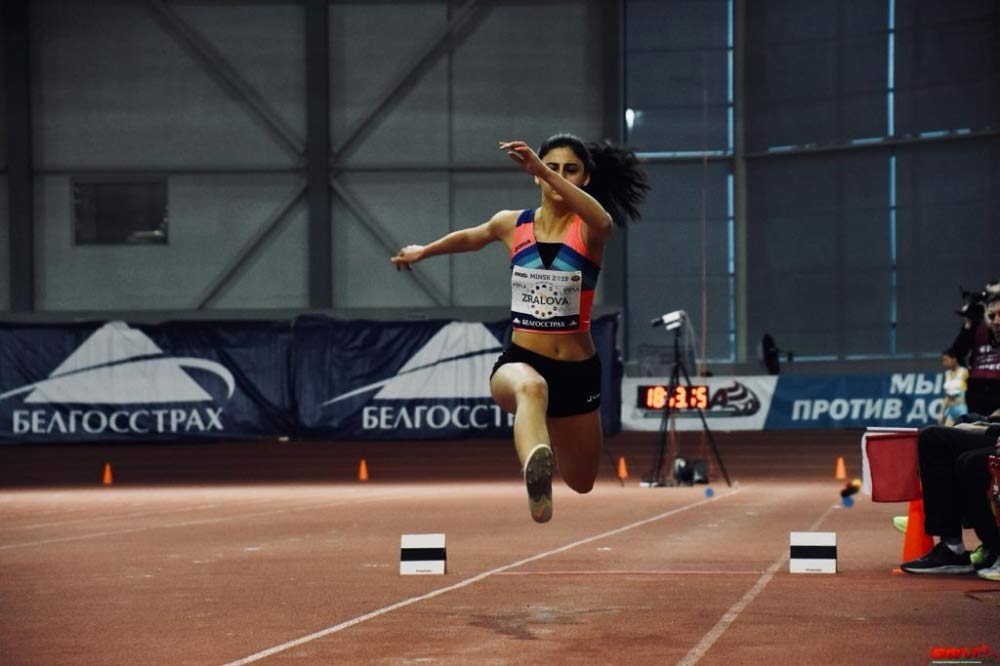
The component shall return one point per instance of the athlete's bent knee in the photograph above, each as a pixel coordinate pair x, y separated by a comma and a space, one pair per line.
533, 389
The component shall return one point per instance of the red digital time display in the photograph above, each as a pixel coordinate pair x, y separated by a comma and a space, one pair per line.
684, 397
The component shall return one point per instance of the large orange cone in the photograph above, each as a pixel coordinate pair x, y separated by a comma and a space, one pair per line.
622, 469
841, 472
106, 478
917, 542
363, 470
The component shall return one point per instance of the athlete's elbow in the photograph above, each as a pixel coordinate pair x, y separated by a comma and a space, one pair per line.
602, 225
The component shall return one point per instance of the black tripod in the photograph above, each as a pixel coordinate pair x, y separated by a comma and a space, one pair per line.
655, 476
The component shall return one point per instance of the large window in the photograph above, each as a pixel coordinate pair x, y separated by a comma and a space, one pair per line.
127, 212
679, 118
873, 170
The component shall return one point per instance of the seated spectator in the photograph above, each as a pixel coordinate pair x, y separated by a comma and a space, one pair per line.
955, 476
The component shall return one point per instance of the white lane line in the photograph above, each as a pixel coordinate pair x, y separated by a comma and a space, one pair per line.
204, 521
652, 572
263, 654
120, 516
709, 639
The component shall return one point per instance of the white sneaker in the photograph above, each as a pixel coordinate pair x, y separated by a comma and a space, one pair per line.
990, 573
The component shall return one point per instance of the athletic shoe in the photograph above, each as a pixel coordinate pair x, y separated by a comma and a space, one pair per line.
940, 560
982, 557
990, 573
899, 522
538, 479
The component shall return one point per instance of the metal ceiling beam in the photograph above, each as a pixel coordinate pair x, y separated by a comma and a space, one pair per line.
320, 266
252, 246
887, 142
219, 68
20, 179
390, 244
409, 76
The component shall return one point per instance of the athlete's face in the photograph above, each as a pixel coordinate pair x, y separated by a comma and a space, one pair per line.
563, 161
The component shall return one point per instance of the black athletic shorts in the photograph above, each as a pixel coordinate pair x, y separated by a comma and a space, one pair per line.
574, 386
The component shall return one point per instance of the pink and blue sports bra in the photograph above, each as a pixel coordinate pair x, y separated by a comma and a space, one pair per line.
551, 292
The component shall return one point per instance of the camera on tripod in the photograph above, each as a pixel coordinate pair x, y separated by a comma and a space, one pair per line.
685, 472
671, 321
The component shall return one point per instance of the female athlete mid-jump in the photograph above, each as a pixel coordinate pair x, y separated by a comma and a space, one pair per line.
549, 377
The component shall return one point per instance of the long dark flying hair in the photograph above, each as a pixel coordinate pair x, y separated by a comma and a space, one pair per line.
617, 180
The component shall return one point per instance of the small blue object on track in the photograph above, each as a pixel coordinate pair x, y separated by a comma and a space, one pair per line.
848, 502
709, 492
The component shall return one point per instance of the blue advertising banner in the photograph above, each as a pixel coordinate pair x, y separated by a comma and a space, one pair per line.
314, 377
414, 380
114, 381
778, 403
857, 401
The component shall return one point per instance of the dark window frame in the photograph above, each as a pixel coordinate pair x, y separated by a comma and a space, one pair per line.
88, 231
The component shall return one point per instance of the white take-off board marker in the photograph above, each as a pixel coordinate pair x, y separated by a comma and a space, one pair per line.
813, 552
422, 554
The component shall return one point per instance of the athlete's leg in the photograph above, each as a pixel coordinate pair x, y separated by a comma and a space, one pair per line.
520, 390
577, 441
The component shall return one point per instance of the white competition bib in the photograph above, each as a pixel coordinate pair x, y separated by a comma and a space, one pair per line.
544, 299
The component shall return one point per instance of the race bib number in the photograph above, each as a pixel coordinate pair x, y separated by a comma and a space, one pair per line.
545, 300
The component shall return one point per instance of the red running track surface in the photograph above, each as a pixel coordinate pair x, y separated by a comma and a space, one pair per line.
274, 553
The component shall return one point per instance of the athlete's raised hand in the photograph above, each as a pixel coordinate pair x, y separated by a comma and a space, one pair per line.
406, 256
522, 155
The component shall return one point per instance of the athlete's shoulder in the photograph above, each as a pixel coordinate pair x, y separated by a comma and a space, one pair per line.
504, 221
506, 216
501, 225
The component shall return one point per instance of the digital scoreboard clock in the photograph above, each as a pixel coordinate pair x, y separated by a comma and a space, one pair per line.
656, 397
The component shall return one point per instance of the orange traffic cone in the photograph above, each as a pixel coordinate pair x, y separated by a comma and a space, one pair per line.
362, 470
106, 478
841, 472
622, 469
916, 542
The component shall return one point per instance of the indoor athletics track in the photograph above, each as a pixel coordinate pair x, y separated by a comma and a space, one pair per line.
275, 553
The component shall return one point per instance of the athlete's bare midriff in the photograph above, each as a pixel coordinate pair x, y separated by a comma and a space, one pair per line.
564, 346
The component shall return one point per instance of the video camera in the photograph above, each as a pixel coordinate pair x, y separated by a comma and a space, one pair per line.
974, 302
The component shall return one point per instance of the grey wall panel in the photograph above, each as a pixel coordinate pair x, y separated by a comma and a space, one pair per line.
210, 220
676, 77
676, 191
4, 247
528, 71
819, 257
667, 90
665, 255
411, 209
682, 128
653, 296
816, 72
674, 24
371, 44
948, 201
275, 276
3, 101
483, 278
264, 42
947, 75
112, 88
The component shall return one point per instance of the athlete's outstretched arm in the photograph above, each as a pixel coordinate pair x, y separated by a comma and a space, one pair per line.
592, 213
499, 227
